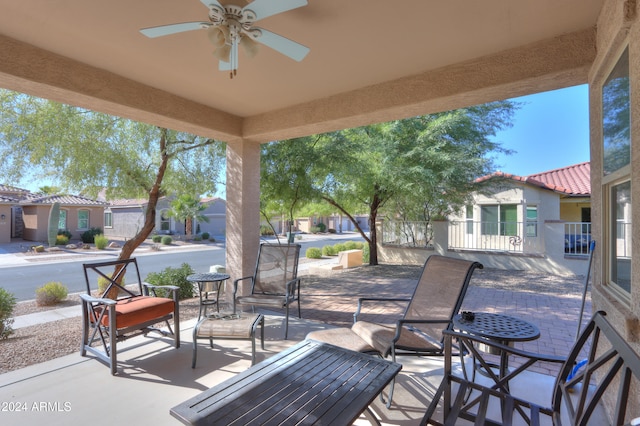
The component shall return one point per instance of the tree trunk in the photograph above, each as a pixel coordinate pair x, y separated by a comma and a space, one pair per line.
150, 215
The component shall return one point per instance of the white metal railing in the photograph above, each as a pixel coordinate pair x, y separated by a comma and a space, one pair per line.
577, 237
517, 237
407, 234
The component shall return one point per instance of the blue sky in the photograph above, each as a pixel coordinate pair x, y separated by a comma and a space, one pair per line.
550, 131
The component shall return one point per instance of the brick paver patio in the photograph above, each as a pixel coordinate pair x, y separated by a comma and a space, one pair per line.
550, 302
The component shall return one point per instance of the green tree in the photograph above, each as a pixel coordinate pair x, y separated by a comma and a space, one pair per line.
187, 208
49, 190
87, 151
418, 168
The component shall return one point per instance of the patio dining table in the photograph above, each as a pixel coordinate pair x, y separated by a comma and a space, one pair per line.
309, 383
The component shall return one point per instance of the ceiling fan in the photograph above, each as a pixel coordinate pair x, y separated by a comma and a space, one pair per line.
230, 26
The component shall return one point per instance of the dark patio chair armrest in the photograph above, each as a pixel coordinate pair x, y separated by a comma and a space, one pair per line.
376, 299
402, 322
102, 301
235, 284
172, 288
292, 285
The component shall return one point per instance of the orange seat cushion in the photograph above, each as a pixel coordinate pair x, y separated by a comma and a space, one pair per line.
140, 309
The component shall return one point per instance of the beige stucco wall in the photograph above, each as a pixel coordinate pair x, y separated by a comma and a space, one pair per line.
618, 25
36, 221
571, 211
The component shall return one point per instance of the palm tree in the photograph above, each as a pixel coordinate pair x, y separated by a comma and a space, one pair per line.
188, 208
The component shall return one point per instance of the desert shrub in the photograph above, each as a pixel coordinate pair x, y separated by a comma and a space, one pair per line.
314, 229
328, 251
350, 245
365, 254
88, 236
156, 238
197, 238
103, 283
101, 242
166, 240
65, 233
338, 247
359, 245
266, 230
7, 303
205, 236
62, 240
51, 293
313, 253
173, 276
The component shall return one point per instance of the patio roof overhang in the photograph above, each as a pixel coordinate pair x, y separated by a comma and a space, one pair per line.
369, 61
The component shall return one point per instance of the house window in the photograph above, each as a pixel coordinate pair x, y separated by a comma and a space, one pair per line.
499, 219
83, 219
616, 180
532, 221
165, 223
108, 219
62, 220
469, 220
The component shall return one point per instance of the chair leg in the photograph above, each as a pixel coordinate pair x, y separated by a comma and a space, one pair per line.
195, 346
286, 322
113, 331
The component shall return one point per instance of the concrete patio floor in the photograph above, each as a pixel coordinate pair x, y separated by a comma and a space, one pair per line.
154, 377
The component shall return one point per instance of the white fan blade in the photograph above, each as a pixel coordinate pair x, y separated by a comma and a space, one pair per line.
213, 2
290, 48
265, 8
224, 66
164, 30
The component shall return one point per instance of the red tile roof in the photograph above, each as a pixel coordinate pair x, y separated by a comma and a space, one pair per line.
571, 180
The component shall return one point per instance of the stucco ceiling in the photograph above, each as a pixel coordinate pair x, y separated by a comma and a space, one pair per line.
361, 52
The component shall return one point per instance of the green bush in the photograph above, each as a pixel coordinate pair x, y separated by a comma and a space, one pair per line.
314, 229
351, 245
88, 237
322, 227
101, 242
173, 276
156, 238
266, 230
51, 293
328, 251
62, 240
205, 236
103, 283
338, 247
166, 240
65, 233
7, 303
313, 253
365, 254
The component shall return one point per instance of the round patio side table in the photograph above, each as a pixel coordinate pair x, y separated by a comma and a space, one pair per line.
208, 283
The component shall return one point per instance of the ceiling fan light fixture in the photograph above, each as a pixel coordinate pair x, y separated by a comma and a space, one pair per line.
230, 26
216, 36
223, 53
251, 48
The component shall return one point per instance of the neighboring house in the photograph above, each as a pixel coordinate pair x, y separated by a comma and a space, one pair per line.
124, 218
510, 213
77, 215
25, 215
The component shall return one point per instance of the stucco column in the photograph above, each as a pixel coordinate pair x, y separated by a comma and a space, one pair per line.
243, 210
